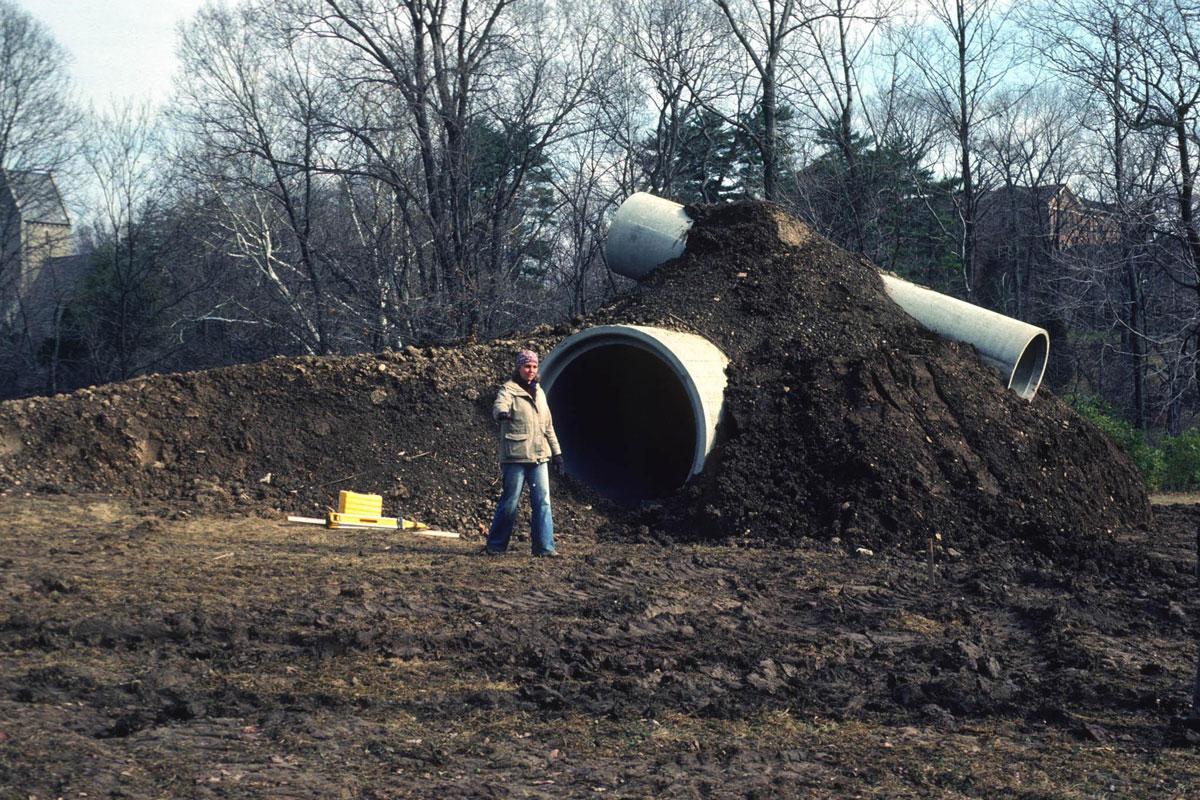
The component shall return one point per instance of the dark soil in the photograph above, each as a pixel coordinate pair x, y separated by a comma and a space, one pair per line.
285, 434
950, 591
846, 419
244, 658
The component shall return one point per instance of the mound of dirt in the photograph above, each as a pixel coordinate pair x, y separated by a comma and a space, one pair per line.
282, 434
844, 419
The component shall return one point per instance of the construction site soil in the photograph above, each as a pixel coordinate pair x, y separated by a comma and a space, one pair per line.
894, 576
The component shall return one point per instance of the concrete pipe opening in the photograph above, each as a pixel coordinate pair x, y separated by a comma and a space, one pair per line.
1031, 366
1015, 349
635, 408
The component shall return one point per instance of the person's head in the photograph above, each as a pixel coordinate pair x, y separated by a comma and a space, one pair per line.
527, 365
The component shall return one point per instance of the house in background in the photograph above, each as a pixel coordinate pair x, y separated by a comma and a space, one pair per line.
1021, 229
1053, 213
37, 251
1032, 243
40, 272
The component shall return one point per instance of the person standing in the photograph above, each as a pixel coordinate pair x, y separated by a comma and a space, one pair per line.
527, 444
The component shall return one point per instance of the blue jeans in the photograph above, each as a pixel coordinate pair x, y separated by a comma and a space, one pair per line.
515, 476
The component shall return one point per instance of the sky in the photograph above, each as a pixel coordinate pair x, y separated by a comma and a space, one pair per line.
120, 49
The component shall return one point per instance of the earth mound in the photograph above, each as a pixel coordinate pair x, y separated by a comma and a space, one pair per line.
844, 419
286, 434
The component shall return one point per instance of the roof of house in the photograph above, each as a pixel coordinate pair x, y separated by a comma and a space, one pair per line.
1039, 197
1030, 195
36, 195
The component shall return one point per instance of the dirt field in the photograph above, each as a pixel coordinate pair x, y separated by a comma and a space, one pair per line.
234, 656
773, 628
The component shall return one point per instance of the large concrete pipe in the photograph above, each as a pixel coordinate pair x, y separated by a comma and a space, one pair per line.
635, 408
648, 231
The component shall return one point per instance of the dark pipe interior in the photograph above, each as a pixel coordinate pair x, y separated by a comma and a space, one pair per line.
624, 421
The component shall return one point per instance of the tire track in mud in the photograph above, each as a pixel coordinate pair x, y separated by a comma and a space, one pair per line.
703, 640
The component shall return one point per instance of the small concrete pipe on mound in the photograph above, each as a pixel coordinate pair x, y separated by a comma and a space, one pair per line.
1015, 349
647, 231
635, 408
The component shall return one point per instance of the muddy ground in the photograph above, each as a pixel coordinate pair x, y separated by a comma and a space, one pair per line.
234, 656
774, 628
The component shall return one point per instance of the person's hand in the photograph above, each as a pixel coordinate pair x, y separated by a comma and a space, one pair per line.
559, 466
503, 416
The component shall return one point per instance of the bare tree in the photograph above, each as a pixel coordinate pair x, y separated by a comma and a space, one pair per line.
1029, 147
1167, 99
911, 202
1086, 43
1136, 71
485, 91
765, 31
583, 183
963, 56
677, 48
250, 103
827, 80
121, 308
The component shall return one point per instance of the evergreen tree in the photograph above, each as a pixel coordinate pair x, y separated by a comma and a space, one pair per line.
749, 154
512, 196
709, 171
881, 199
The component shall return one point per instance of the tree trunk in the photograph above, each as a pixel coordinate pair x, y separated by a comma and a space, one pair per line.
964, 144
770, 192
1186, 194
1134, 345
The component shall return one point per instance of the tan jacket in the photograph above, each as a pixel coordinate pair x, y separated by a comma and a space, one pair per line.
528, 436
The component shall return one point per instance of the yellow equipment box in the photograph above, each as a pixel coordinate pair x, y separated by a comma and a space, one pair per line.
363, 505
357, 510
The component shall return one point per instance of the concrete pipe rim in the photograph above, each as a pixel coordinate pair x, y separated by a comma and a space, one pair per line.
659, 389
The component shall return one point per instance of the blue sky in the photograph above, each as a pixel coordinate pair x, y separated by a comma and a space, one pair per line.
119, 48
